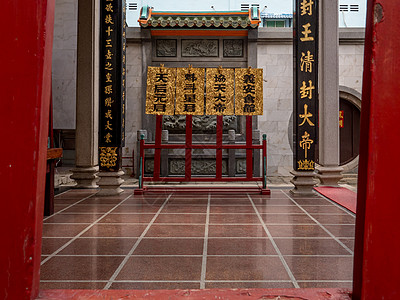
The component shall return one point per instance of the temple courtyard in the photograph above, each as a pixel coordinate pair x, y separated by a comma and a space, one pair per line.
196, 241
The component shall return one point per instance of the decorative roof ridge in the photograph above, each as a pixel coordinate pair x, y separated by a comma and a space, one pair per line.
216, 19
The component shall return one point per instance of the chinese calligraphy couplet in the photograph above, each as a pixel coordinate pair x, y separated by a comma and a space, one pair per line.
112, 83
306, 84
220, 91
190, 91
249, 92
160, 94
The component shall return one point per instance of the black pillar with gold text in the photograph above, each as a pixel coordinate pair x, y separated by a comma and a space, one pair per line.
112, 95
112, 84
305, 99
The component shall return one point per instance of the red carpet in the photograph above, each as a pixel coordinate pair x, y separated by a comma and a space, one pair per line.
340, 195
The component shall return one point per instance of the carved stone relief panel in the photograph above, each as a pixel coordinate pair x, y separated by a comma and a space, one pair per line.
202, 124
200, 48
233, 48
166, 48
240, 166
199, 167
148, 166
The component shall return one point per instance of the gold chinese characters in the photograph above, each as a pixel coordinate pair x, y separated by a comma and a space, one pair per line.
248, 91
190, 91
160, 93
227, 91
220, 91
307, 83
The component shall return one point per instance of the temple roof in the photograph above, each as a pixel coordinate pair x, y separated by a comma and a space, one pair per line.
210, 19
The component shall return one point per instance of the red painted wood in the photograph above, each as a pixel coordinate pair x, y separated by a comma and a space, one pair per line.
157, 153
223, 294
202, 32
25, 95
203, 179
377, 247
249, 142
188, 146
219, 148
202, 146
204, 189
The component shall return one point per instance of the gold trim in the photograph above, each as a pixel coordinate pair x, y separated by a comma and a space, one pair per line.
108, 156
248, 92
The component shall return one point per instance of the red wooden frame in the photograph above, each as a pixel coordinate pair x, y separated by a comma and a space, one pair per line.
189, 146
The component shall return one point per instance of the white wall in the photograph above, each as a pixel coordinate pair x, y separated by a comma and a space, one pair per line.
133, 118
351, 66
276, 61
64, 63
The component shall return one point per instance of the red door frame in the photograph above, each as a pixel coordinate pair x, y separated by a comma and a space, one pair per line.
26, 47
377, 243
26, 93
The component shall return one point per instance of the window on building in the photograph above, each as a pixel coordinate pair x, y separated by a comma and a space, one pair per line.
351, 7
354, 7
275, 23
132, 6
244, 7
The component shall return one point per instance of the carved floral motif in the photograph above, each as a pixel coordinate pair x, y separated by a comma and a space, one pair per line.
108, 156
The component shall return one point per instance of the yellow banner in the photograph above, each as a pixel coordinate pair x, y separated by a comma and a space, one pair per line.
190, 91
248, 91
160, 94
219, 91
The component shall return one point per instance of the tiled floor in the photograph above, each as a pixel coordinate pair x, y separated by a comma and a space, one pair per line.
180, 241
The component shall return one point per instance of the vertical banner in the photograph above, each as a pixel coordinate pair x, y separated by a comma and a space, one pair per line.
190, 91
112, 83
248, 92
160, 93
220, 91
305, 84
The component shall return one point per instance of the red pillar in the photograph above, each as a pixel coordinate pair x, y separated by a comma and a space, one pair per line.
26, 47
377, 249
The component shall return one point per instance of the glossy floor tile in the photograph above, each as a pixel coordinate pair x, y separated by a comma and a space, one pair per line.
80, 267
245, 268
179, 241
99, 246
161, 268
